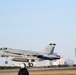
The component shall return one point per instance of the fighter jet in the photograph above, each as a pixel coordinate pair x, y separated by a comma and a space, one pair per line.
29, 55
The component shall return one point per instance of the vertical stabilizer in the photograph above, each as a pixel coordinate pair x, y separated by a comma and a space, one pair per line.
49, 49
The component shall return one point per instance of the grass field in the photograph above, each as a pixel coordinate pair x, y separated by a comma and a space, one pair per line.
58, 72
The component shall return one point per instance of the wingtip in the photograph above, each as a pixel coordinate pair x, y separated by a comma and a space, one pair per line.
52, 44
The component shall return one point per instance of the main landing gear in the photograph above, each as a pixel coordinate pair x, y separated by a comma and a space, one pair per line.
30, 64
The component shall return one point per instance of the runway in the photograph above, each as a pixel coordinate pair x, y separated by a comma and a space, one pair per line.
40, 69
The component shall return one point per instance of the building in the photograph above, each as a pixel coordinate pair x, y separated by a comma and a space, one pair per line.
63, 61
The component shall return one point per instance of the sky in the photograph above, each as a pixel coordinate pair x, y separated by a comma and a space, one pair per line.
33, 24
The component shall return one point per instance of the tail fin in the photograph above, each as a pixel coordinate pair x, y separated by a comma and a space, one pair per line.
49, 49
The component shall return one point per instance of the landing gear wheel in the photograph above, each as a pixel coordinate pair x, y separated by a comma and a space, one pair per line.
6, 62
30, 64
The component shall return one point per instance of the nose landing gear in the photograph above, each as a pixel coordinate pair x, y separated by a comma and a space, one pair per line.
6, 62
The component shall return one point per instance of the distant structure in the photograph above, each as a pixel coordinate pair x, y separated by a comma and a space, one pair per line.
63, 61
75, 52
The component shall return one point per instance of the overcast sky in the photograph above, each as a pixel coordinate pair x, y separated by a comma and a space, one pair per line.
33, 24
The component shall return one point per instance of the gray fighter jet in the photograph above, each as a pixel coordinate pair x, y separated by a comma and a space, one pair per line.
29, 55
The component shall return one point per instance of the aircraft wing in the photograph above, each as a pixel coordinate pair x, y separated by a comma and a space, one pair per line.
36, 57
26, 56
16, 52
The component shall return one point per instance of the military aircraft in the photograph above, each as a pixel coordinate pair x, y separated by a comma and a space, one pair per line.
29, 55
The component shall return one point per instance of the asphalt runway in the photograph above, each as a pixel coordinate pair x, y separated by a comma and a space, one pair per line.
40, 69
